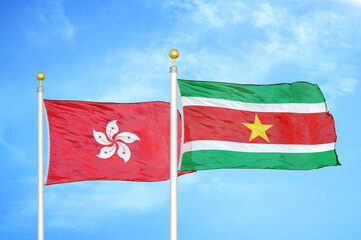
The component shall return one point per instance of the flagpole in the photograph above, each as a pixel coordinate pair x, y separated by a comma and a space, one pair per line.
40, 76
173, 148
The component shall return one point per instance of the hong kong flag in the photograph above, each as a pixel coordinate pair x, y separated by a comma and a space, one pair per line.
108, 141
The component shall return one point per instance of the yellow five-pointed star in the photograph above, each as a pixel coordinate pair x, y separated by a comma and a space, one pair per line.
258, 129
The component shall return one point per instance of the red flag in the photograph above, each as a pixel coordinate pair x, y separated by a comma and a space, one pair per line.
108, 141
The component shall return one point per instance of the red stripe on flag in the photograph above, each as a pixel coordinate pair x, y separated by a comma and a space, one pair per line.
213, 123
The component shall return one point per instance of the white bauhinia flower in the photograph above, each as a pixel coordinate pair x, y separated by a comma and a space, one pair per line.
108, 151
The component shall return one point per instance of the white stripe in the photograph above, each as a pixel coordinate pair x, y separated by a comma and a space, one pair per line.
256, 107
256, 147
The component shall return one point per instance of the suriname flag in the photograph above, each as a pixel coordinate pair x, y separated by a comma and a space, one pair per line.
281, 126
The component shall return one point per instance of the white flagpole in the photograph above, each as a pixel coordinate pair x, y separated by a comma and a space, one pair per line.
40, 76
173, 148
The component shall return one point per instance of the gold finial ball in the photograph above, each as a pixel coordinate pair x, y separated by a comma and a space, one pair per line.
173, 53
40, 76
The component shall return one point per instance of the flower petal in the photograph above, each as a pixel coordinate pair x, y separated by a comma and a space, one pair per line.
127, 137
101, 138
123, 151
107, 152
112, 129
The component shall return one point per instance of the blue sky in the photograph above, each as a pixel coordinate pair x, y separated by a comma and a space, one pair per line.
118, 51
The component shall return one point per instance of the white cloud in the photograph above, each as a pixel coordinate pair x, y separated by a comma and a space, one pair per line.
135, 75
210, 13
338, 87
84, 205
123, 75
52, 22
302, 40
222, 68
314, 44
217, 186
13, 149
356, 3
348, 85
267, 16
249, 44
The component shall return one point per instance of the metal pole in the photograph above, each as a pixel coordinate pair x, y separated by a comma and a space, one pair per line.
40, 90
173, 148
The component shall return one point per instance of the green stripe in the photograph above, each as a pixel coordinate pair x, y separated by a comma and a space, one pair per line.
216, 159
299, 92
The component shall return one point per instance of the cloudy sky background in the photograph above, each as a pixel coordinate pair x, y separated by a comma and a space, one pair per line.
118, 51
